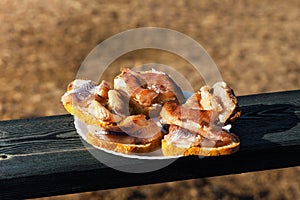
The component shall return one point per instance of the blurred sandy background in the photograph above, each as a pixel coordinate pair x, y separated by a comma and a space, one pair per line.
256, 45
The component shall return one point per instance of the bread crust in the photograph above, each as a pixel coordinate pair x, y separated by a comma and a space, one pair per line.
125, 148
169, 149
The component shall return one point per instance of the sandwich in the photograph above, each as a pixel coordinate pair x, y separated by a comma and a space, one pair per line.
196, 127
145, 111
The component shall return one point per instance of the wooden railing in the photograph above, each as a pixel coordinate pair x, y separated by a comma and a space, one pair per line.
45, 156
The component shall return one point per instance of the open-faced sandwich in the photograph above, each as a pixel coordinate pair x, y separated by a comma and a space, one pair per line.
145, 111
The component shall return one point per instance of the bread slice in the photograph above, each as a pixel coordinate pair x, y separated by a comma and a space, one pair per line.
83, 100
126, 144
169, 149
180, 141
86, 118
148, 87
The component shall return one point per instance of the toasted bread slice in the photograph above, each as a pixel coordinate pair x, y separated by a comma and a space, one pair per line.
181, 141
147, 89
83, 99
124, 143
172, 150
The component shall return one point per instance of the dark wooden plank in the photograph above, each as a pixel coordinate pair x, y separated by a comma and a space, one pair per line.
44, 156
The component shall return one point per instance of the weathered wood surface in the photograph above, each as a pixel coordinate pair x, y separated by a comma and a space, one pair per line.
44, 156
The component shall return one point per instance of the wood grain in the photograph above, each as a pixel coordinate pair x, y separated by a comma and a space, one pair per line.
44, 156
